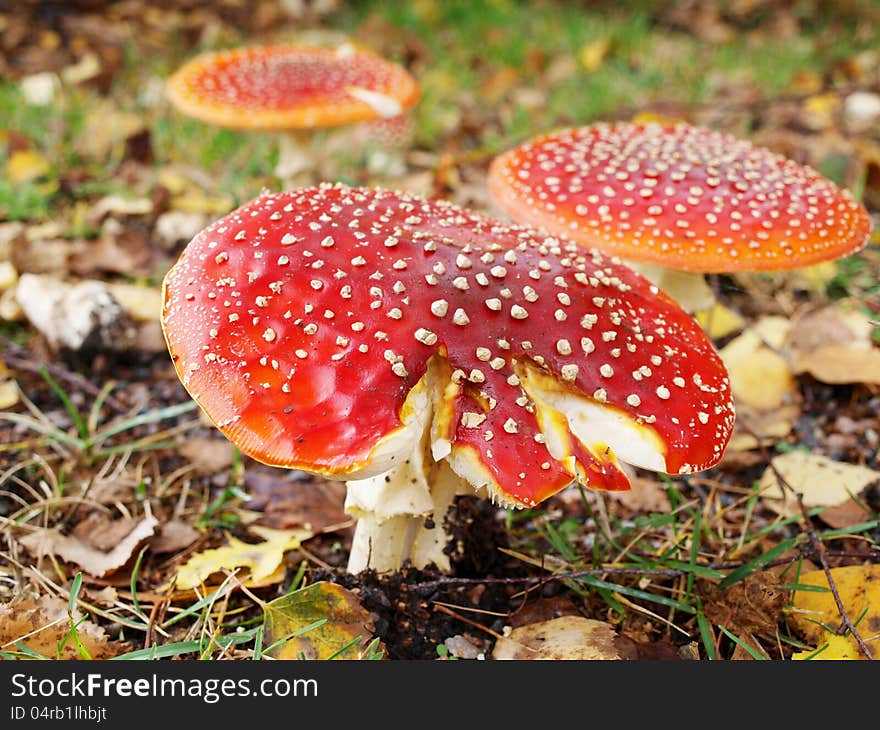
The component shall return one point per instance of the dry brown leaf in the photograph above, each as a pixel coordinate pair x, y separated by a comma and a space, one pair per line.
106, 129
646, 495
287, 501
209, 455
754, 605
124, 252
835, 364
839, 324
567, 637
173, 536
770, 426
822, 482
92, 560
42, 624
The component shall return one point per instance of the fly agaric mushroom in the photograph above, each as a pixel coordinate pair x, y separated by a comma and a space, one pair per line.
678, 197
293, 90
420, 350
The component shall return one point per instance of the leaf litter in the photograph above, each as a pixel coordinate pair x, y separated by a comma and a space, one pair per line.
110, 186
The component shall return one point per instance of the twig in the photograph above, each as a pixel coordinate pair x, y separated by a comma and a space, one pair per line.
429, 586
449, 612
817, 548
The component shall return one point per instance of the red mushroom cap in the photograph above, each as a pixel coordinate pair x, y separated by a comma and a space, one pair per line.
303, 324
680, 196
291, 87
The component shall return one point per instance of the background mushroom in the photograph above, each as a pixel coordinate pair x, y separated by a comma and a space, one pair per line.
293, 90
678, 197
419, 350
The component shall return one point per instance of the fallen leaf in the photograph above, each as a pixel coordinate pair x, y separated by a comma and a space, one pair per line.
287, 499
26, 165
835, 364
100, 530
262, 559
118, 205
86, 68
8, 275
209, 455
718, 321
814, 278
592, 55
92, 560
346, 632
859, 589
818, 111
646, 495
9, 394
755, 427
142, 303
759, 376
567, 637
105, 130
822, 482
753, 605
173, 536
42, 624
833, 647
836, 325
195, 201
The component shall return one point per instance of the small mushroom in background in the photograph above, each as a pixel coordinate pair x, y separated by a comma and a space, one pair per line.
672, 199
418, 350
293, 90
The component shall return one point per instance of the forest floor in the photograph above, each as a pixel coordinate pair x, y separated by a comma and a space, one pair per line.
131, 528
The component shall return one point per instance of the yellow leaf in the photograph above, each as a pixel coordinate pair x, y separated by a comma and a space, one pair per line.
822, 481
8, 394
836, 647
819, 110
859, 589
26, 165
759, 376
142, 303
195, 201
719, 321
345, 633
651, 117
174, 181
262, 559
817, 277
592, 55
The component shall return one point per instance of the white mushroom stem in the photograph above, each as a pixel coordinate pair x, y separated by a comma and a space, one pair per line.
689, 289
401, 512
296, 158
401, 515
